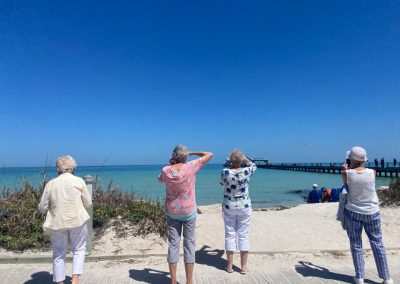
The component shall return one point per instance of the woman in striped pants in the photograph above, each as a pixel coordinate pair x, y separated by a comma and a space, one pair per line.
362, 211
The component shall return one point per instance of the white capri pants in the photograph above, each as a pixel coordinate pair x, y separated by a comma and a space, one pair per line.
60, 240
237, 227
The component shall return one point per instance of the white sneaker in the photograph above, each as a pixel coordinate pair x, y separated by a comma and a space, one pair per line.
358, 281
388, 281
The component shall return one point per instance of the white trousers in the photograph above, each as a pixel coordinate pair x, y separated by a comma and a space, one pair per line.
62, 239
237, 227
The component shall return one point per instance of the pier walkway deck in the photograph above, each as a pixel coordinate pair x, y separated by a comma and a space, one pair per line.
331, 168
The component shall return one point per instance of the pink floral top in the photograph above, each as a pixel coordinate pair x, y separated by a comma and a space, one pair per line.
180, 201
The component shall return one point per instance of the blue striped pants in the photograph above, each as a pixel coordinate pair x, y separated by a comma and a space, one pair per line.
354, 223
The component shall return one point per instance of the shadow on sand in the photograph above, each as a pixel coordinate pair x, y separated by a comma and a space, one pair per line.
307, 269
44, 277
204, 256
212, 258
148, 275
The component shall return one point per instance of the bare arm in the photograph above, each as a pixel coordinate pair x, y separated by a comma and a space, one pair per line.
344, 173
206, 155
247, 159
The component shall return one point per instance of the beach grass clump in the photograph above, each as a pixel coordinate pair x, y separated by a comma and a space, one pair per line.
391, 197
121, 210
21, 222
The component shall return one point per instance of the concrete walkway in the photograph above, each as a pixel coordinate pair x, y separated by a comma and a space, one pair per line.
265, 268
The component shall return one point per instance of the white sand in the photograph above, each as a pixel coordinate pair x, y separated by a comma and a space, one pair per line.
307, 228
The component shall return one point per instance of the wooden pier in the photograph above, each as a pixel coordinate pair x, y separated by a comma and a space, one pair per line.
330, 168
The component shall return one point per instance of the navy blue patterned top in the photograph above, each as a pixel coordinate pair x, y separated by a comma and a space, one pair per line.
236, 187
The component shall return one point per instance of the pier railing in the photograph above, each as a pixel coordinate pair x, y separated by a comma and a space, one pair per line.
389, 170
368, 165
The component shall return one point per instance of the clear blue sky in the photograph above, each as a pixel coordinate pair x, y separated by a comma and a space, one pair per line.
287, 80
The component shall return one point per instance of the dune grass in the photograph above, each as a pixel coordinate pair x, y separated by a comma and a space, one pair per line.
21, 222
391, 197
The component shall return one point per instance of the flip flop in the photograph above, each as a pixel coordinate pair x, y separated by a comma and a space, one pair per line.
229, 270
244, 271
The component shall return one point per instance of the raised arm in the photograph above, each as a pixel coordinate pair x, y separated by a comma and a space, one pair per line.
206, 155
250, 165
344, 173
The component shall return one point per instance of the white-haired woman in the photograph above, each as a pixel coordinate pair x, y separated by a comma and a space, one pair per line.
65, 199
237, 207
362, 211
180, 206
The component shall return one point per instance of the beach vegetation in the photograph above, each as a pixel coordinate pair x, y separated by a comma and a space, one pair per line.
391, 197
21, 222
120, 210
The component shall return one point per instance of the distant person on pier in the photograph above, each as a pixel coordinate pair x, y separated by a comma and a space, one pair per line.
394, 162
376, 162
382, 163
315, 194
180, 206
362, 212
65, 199
236, 207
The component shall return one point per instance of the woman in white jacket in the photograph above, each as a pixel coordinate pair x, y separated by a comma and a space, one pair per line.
65, 199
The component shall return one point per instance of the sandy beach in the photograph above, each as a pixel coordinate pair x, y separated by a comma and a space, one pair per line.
304, 228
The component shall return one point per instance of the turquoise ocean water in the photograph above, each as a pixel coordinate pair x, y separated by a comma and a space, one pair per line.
267, 187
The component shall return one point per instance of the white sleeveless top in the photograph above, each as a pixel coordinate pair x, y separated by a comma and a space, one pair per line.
362, 197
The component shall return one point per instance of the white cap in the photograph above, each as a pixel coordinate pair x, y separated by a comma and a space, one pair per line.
358, 154
315, 185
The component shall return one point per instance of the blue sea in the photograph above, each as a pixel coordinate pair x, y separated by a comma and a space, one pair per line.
268, 188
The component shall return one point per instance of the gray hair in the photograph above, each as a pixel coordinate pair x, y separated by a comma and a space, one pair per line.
66, 164
179, 154
236, 157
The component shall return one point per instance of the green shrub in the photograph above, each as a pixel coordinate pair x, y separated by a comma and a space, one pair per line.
391, 197
116, 208
21, 222
21, 226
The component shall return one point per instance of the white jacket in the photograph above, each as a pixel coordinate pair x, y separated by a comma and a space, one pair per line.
65, 199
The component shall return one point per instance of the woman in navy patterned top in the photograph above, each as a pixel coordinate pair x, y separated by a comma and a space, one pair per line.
237, 207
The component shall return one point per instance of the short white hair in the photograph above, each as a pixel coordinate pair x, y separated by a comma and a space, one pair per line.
236, 156
66, 164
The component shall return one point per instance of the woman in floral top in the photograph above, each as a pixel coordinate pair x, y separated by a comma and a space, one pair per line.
237, 207
180, 206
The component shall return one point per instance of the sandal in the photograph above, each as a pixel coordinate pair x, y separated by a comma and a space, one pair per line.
229, 270
243, 272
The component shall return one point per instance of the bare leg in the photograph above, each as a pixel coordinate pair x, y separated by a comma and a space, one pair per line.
62, 282
243, 260
229, 260
189, 272
172, 271
75, 278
